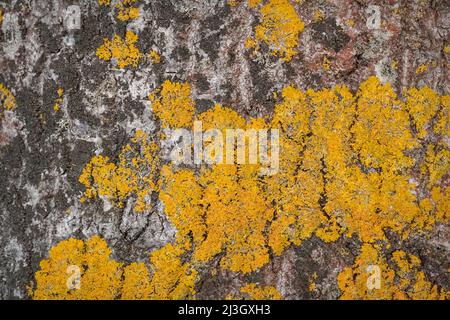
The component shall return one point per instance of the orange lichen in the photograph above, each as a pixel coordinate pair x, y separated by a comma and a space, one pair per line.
100, 277
125, 9
422, 104
402, 281
447, 49
182, 198
136, 282
421, 69
312, 282
250, 3
279, 29
212, 214
318, 16
132, 176
382, 131
350, 23
154, 56
59, 99
345, 169
172, 279
240, 237
7, 100
256, 292
254, 3
173, 105
123, 51
295, 194
326, 63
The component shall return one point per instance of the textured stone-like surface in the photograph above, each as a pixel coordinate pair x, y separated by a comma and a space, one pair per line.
42, 152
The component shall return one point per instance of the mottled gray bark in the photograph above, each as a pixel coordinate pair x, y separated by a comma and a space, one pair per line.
43, 152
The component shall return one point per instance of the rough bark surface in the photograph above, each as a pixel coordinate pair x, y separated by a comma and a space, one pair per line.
43, 152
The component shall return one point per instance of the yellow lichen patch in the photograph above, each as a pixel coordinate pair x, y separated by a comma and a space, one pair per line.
59, 99
79, 269
441, 126
299, 189
367, 188
343, 170
173, 105
125, 9
422, 105
373, 202
182, 198
382, 131
318, 16
102, 178
435, 167
350, 23
447, 49
254, 3
371, 277
87, 263
394, 64
154, 56
256, 292
221, 118
326, 63
7, 100
172, 279
209, 207
312, 282
348, 166
250, 3
213, 214
229, 191
132, 176
421, 69
123, 51
279, 28
136, 282
294, 201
